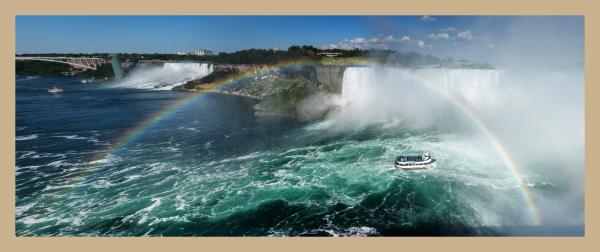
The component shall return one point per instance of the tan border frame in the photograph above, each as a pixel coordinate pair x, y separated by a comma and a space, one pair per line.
8, 241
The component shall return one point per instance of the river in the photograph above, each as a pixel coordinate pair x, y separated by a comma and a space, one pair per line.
101, 161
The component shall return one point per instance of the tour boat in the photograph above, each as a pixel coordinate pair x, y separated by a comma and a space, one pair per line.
423, 161
55, 90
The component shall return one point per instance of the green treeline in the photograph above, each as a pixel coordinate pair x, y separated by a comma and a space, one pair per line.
34, 67
295, 53
248, 56
41, 68
304, 53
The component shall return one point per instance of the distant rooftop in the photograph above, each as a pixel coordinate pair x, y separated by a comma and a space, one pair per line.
329, 54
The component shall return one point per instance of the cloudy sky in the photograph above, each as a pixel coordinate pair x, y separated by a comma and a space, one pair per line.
473, 37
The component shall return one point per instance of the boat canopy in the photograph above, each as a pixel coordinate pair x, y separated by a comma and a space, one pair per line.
409, 158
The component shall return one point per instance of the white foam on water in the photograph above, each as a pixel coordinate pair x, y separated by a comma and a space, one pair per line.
28, 137
27, 78
77, 137
244, 157
35, 155
108, 159
23, 208
61, 163
143, 213
361, 231
34, 219
132, 177
156, 202
187, 128
26, 154
180, 202
72, 137
101, 183
208, 144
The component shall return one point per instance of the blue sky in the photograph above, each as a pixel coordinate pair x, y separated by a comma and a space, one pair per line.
437, 35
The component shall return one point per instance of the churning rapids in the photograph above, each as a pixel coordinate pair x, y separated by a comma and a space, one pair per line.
212, 168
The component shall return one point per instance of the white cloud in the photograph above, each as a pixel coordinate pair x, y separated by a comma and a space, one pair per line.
438, 36
448, 29
358, 40
443, 36
381, 40
466, 35
377, 42
421, 44
390, 38
491, 46
427, 18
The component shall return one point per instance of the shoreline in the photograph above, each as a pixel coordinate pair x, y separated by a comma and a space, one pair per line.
233, 93
257, 110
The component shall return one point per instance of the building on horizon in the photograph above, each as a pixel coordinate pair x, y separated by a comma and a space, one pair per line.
201, 52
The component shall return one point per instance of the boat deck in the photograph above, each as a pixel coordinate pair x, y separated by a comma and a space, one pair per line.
409, 158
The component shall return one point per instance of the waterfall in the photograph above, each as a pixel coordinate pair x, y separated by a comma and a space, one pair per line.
517, 105
372, 95
189, 70
475, 86
363, 84
359, 83
166, 77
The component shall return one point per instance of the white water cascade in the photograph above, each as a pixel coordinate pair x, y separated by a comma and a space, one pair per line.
521, 107
369, 84
383, 95
166, 77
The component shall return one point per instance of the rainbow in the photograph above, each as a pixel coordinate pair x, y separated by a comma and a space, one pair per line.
134, 133
137, 132
498, 145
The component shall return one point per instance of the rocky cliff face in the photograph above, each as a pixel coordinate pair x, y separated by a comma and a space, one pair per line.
330, 77
129, 65
285, 91
280, 90
312, 79
264, 79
